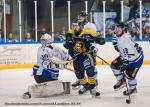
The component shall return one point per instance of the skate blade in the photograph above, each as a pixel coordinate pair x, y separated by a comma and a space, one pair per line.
124, 85
134, 93
76, 88
93, 96
84, 92
25, 97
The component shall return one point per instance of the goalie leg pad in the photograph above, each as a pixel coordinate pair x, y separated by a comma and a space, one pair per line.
46, 89
41, 79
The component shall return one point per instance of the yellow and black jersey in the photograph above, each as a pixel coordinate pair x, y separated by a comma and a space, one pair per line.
81, 42
84, 33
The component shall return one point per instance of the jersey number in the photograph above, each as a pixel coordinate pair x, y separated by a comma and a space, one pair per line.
44, 57
125, 51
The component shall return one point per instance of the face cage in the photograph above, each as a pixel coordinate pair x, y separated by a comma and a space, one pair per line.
44, 44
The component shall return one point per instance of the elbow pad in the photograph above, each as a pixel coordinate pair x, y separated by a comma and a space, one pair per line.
115, 46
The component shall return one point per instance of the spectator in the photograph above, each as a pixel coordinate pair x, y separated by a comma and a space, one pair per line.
133, 7
145, 12
146, 35
11, 38
145, 15
109, 34
28, 38
134, 33
117, 6
42, 32
1, 36
57, 36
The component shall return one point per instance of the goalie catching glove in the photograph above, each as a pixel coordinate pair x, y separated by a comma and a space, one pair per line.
60, 62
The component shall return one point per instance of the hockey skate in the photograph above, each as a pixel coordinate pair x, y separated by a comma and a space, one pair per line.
26, 95
119, 85
130, 91
76, 85
94, 92
83, 89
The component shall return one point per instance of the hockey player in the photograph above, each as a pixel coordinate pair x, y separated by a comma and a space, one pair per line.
79, 45
86, 25
83, 22
45, 70
128, 63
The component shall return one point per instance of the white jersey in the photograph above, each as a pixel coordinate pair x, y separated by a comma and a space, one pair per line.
44, 56
90, 26
127, 48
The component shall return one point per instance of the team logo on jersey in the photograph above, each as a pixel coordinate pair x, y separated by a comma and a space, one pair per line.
79, 47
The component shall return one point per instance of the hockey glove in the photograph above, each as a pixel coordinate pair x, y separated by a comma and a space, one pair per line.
115, 46
138, 48
124, 66
99, 40
93, 50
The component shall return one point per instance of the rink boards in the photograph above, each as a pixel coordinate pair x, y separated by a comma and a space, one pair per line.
24, 55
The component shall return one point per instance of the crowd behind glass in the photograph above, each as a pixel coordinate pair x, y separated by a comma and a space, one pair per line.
133, 27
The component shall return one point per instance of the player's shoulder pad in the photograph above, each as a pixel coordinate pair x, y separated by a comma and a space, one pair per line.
87, 31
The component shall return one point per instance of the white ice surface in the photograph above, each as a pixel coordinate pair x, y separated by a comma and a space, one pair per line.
13, 83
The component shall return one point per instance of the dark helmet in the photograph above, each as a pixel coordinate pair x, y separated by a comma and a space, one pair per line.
82, 13
123, 25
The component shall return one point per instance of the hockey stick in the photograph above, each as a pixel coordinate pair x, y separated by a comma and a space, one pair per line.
102, 60
69, 69
63, 62
128, 101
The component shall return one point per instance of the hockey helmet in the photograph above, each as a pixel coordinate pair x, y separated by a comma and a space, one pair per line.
83, 14
82, 17
46, 39
122, 25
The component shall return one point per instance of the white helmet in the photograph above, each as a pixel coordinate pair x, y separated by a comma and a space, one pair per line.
46, 39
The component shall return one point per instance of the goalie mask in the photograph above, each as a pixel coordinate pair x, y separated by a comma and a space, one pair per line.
46, 40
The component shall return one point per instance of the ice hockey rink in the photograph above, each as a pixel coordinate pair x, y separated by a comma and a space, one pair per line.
13, 83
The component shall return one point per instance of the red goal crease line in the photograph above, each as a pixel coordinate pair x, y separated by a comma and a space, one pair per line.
21, 66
